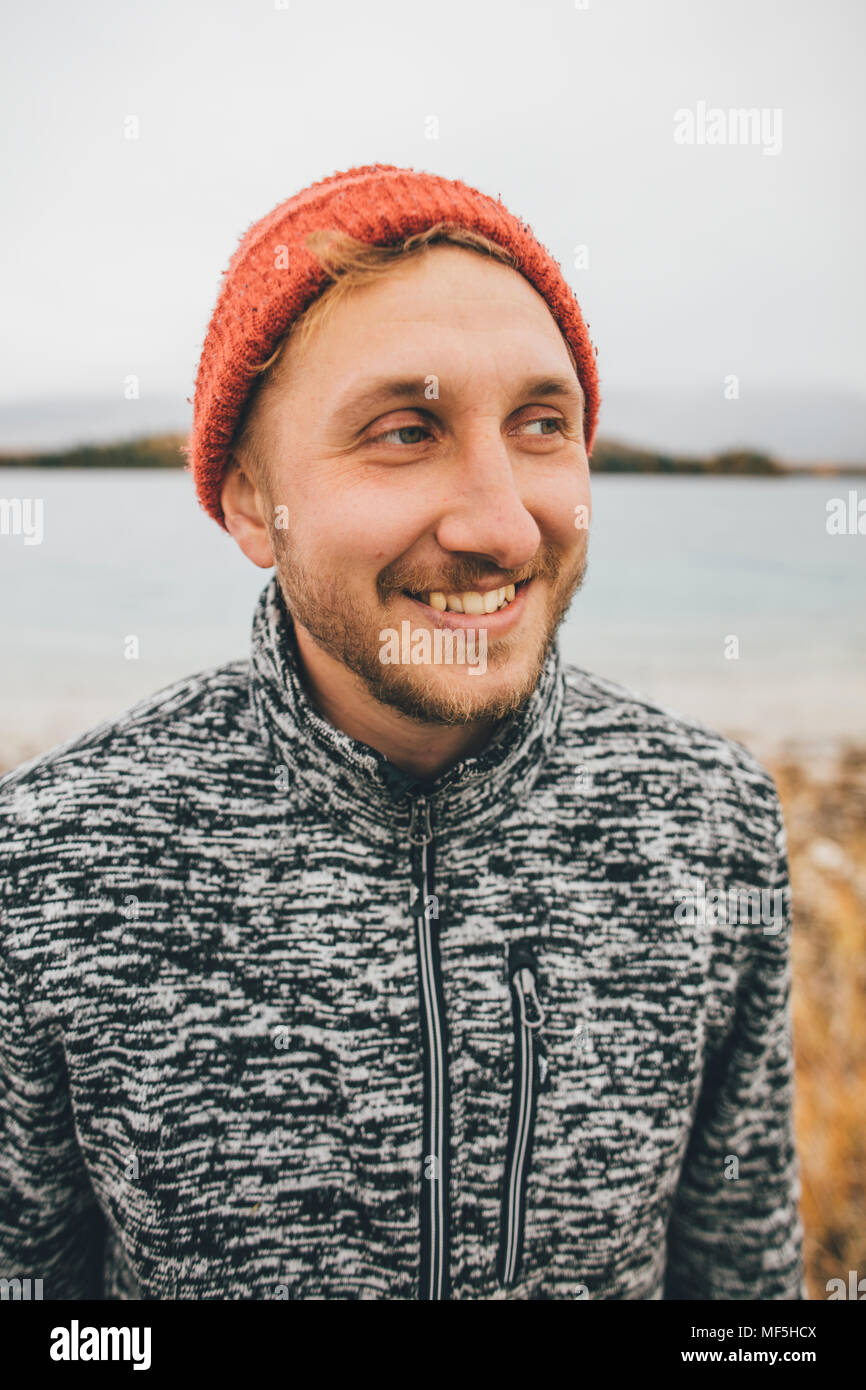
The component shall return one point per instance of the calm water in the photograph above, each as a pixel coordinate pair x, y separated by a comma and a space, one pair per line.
676, 567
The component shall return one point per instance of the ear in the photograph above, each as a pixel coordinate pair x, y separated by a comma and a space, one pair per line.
244, 509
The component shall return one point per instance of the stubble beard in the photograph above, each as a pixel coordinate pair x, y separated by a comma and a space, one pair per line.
352, 638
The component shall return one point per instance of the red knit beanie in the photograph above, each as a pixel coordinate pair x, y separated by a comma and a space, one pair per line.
272, 277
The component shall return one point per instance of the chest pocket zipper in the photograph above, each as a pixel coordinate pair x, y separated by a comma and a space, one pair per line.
530, 1077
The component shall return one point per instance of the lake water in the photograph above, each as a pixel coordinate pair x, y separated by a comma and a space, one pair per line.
677, 567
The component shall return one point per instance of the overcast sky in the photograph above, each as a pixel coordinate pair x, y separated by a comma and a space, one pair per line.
703, 261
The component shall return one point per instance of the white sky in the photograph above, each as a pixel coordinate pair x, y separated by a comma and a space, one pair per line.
702, 261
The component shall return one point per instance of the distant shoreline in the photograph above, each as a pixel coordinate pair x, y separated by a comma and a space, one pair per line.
608, 456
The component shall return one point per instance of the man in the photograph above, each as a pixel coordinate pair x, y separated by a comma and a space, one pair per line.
402, 961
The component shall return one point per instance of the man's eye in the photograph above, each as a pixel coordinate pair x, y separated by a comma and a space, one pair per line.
401, 430
555, 420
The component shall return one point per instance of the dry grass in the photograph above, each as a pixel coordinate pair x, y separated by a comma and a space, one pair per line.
825, 812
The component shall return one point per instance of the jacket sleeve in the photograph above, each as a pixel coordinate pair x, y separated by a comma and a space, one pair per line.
51, 1227
735, 1230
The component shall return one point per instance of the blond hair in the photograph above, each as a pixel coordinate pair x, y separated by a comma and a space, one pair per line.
349, 264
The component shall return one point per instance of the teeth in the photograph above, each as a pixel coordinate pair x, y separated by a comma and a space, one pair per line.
471, 601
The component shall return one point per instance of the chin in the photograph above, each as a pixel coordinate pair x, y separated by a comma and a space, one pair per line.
438, 696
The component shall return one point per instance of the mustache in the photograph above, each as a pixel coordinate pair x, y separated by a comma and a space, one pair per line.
465, 577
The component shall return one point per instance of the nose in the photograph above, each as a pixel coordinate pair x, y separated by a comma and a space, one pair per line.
485, 513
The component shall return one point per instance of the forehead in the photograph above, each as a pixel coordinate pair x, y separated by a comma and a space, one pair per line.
449, 301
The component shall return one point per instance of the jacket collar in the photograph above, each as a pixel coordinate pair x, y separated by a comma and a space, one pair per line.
356, 784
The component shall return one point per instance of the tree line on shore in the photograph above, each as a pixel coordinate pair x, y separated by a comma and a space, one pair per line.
608, 456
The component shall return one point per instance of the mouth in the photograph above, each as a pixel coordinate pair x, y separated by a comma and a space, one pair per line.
470, 601
497, 608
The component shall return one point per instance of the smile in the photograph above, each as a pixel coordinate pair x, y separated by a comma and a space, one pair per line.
470, 601
498, 610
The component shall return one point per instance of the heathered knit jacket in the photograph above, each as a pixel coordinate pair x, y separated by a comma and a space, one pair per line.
275, 1021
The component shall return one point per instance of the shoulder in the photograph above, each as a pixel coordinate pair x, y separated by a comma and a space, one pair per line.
660, 759
189, 719
98, 817
641, 730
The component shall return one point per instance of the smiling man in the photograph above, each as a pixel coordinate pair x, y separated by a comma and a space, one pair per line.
432, 481
366, 968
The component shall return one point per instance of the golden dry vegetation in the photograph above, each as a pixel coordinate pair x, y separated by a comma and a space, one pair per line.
825, 814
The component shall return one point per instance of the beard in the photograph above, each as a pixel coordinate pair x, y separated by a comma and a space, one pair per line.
350, 635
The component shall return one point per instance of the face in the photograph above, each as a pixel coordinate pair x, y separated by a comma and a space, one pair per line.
426, 454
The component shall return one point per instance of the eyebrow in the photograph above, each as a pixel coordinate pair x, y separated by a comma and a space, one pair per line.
356, 406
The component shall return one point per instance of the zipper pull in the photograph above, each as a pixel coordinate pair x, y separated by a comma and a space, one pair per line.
420, 838
531, 1012
522, 968
420, 802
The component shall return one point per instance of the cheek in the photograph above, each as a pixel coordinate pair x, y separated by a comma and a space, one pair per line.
563, 509
362, 530
581, 512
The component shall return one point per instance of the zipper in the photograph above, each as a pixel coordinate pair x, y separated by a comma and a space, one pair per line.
530, 1077
435, 1165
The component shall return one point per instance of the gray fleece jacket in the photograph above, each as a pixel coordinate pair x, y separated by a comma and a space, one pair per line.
278, 1022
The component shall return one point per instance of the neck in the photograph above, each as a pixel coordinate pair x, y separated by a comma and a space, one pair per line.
424, 750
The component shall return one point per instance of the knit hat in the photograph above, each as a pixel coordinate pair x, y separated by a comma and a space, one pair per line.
273, 277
